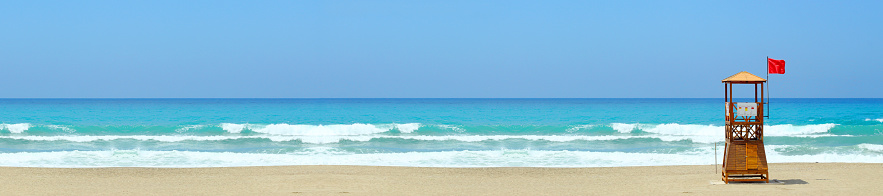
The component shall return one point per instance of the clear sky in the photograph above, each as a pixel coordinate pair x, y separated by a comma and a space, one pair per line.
435, 49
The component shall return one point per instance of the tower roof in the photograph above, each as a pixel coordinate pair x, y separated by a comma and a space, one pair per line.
744, 77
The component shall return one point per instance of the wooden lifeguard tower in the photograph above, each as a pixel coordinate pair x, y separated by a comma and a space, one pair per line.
744, 157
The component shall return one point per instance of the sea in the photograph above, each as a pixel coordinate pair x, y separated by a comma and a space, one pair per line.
77, 133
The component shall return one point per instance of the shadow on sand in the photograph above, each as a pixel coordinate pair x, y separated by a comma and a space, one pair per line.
776, 181
793, 181
772, 182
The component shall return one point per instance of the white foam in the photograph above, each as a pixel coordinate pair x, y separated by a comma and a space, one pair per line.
872, 147
623, 128
326, 139
188, 127
63, 128
15, 128
820, 135
233, 128
579, 127
320, 130
675, 132
878, 120
329, 156
789, 130
712, 133
163, 138
773, 156
454, 128
336, 139
711, 130
324, 134
685, 130
408, 127
333, 156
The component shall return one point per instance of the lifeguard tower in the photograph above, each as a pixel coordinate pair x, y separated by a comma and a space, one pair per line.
744, 157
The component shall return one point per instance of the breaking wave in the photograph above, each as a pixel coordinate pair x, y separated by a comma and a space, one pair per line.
323, 134
320, 130
15, 128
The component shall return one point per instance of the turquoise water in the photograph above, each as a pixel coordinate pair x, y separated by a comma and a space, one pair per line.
420, 132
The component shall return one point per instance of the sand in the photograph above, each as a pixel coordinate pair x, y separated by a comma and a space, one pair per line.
798, 178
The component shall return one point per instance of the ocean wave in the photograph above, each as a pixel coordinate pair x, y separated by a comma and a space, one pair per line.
624, 128
331, 133
408, 127
332, 156
189, 127
275, 129
843, 154
365, 138
579, 127
453, 128
685, 130
233, 128
787, 129
712, 130
872, 147
320, 130
15, 128
878, 120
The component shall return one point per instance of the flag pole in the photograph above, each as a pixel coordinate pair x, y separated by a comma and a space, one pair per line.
767, 87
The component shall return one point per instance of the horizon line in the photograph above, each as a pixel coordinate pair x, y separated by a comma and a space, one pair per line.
433, 98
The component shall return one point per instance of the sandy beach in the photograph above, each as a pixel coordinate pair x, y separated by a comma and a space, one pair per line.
798, 178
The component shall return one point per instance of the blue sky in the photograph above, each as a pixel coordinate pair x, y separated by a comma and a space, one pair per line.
435, 49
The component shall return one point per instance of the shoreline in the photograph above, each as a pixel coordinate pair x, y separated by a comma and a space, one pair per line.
798, 178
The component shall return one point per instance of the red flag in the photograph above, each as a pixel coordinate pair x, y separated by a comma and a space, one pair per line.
775, 66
